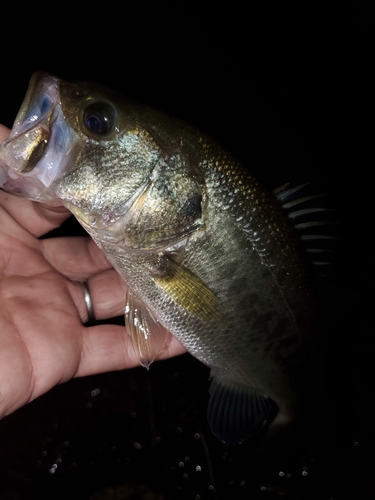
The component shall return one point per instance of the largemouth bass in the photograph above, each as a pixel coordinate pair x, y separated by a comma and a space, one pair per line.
206, 252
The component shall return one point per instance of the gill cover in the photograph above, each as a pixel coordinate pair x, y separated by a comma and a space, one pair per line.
169, 208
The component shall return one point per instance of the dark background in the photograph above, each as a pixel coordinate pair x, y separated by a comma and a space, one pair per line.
289, 90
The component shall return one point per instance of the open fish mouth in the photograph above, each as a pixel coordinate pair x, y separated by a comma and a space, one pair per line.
36, 152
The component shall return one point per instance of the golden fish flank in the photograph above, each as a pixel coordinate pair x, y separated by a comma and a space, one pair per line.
206, 252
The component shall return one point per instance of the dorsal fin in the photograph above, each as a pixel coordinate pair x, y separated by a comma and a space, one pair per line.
313, 219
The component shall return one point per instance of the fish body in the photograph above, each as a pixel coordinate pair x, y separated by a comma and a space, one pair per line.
206, 252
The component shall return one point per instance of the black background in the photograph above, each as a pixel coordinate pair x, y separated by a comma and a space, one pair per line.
289, 90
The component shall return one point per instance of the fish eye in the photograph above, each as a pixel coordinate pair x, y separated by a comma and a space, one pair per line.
99, 118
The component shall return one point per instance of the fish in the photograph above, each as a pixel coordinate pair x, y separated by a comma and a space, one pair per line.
208, 254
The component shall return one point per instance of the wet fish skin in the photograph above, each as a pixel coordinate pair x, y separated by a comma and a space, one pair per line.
207, 253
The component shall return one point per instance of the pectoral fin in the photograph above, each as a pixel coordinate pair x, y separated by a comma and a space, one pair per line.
149, 337
236, 412
189, 291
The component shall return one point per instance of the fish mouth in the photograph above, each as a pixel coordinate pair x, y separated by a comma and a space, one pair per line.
36, 151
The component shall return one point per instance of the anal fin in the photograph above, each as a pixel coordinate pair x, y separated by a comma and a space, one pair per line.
237, 412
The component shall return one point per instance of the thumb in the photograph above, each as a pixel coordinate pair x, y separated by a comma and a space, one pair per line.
4, 132
54, 215
45, 218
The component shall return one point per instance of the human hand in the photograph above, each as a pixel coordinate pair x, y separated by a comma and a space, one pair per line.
43, 341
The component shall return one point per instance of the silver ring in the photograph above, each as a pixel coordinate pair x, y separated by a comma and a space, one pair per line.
88, 302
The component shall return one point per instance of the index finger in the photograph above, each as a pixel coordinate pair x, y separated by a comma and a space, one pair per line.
37, 218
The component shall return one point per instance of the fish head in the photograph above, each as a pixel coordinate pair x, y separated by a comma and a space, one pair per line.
82, 145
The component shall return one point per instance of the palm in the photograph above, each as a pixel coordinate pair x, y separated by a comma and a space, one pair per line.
43, 341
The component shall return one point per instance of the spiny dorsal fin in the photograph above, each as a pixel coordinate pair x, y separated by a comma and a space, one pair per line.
283, 194
303, 208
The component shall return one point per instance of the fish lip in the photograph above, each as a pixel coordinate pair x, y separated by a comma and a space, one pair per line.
41, 84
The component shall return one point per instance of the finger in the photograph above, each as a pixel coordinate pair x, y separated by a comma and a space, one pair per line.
107, 290
4, 132
109, 348
80, 259
34, 217
77, 258
54, 215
